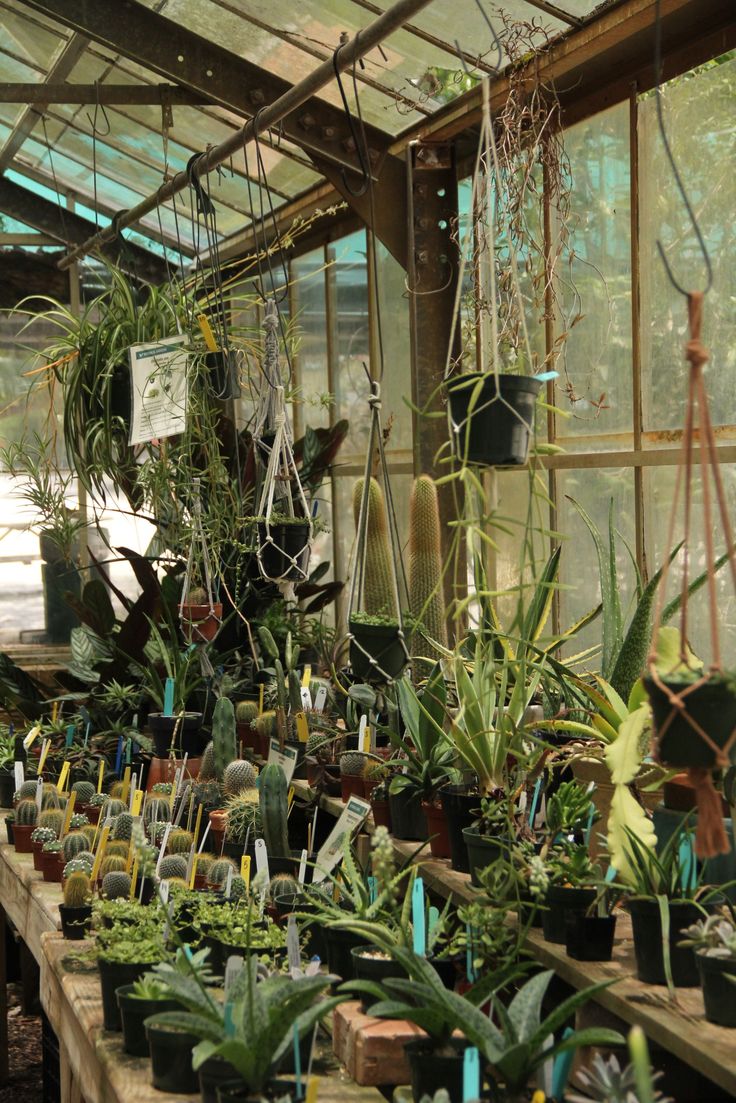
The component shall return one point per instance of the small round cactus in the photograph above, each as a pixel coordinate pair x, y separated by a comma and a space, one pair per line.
238, 888
246, 712
162, 788
80, 864
204, 865
90, 833
26, 813
156, 831
180, 841
79, 819
115, 885
52, 798
239, 775
352, 763
112, 863
217, 874
73, 843
97, 800
122, 827
173, 865
85, 790
282, 885
113, 807
27, 791
117, 789
119, 847
42, 835
157, 811
77, 889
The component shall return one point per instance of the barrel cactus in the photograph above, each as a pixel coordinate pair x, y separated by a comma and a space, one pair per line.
282, 885
180, 841
50, 817
85, 790
246, 712
79, 864
173, 865
113, 807
113, 863
116, 885
426, 599
73, 843
122, 827
378, 598
239, 775
244, 816
157, 810
77, 890
41, 835
352, 763
52, 798
78, 820
119, 847
217, 873
27, 791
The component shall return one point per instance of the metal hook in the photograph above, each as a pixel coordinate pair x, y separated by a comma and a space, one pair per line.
494, 36
359, 140
93, 121
675, 171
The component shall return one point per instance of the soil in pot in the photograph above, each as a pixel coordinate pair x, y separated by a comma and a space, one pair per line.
432, 1070
188, 737
711, 705
589, 937
133, 1013
407, 816
372, 964
75, 922
171, 1059
561, 902
114, 975
482, 851
377, 653
286, 555
492, 417
339, 945
461, 808
719, 992
647, 931
439, 837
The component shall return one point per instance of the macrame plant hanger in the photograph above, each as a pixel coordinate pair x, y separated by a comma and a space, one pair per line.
676, 705
198, 543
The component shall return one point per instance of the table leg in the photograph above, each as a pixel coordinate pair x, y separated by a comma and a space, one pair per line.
3, 1002
69, 1088
29, 973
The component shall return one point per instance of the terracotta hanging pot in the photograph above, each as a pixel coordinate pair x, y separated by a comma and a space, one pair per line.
201, 623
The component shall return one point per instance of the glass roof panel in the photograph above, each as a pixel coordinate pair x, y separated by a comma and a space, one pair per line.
16, 69
29, 39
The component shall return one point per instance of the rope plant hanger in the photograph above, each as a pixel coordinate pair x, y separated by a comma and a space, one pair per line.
694, 708
200, 620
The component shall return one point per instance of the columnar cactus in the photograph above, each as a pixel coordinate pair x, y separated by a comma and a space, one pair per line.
274, 809
426, 600
207, 765
224, 734
378, 581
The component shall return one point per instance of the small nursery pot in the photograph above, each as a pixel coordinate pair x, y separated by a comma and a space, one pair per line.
351, 785
171, 1059
133, 1013
719, 992
589, 937
188, 737
713, 708
368, 966
201, 623
22, 837
10, 832
461, 809
75, 922
482, 850
559, 903
431, 1071
36, 850
114, 975
381, 810
236, 1091
52, 867
492, 427
407, 815
288, 542
377, 653
439, 838
339, 945
647, 930
213, 1074
7, 789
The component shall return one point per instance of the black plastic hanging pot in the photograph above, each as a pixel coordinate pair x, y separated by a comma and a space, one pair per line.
289, 542
492, 417
561, 902
221, 368
188, 734
75, 922
171, 1059
482, 851
646, 927
589, 937
114, 975
133, 1013
407, 815
719, 990
711, 705
461, 808
431, 1071
377, 652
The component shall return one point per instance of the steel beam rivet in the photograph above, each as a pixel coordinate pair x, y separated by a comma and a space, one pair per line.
307, 121
328, 133
180, 57
257, 96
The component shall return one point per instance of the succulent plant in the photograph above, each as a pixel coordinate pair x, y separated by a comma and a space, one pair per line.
224, 736
119, 847
352, 763
85, 790
243, 813
27, 791
274, 810
217, 873
90, 833
122, 826
26, 813
163, 788
53, 846
378, 578
246, 712
266, 724
113, 863
79, 864
117, 789
79, 819
157, 810
74, 843
156, 831
52, 798
238, 888
51, 817
77, 889
113, 807
42, 835
180, 841
97, 800
239, 775
207, 763
116, 885
173, 865
204, 864
283, 884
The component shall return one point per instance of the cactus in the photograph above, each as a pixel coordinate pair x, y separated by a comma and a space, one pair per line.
117, 789
53, 846
97, 800
180, 841
217, 873
266, 725
42, 835
122, 827
378, 582
52, 798
162, 788
239, 775
204, 864
246, 712
116, 885
112, 808
223, 736
74, 843
295, 692
238, 888
112, 863
83, 863
90, 833
352, 763
27, 791
426, 600
52, 817
243, 813
119, 847
207, 765
283, 884
177, 884
78, 820
77, 890
173, 865
157, 811
85, 790
156, 831
274, 808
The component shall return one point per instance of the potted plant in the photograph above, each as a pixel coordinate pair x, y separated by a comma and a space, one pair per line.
52, 861
40, 836
125, 951
682, 702
713, 938
380, 806
492, 415
25, 816
180, 728
200, 616
76, 911
284, 545
7, 763
138, 1001
606, 1082
377, 649
499, 825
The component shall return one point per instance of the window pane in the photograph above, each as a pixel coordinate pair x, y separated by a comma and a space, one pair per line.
308, 305
348, 284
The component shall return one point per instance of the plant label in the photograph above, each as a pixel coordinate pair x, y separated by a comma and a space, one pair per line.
302, 727
182, 803
331, 851
63, 777
136, 802
32, 735
233, 969
68, 813
101, 775
69, 735
133, 783
163, 891
561, 1068
307, 676
162, 848
419, 919
286, 759
471, 1074
197, 824
158, 373
20, 774
312, 1090
260, 699
302, 867
262, 859
229, 883
126, 783
100, 853
191, 867
245, 869
39, 794
306, 698
321, 699
364, 735
292, 943
45, 748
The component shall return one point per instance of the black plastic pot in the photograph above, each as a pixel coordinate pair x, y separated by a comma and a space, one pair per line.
121, 392
58, 579
237, 1092
171, 1059
461, 809
188, 737
494, 426
213, 1074
114, 975
7, 788
559, 903
223, 382
10, 832
647, 930
407, 816
377, 653
589, 937
75, 922
215, 959
373, 968
133, 1013
289, 542
431, 1071
339, 945
711, 705
482, 850
719, 993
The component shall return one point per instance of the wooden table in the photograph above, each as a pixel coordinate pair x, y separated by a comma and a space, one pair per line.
96, 1068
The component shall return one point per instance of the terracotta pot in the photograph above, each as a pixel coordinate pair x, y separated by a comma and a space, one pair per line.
351, 785
679, 796
201, 623
22, 833
381, 813
52, 866
92, 812
586, 770
246, 735
439, 836
36, 849
163, 769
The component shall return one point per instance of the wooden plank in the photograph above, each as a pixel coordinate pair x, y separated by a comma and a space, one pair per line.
31, 904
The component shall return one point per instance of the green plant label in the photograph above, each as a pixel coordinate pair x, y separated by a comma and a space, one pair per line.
286, 759
331, 851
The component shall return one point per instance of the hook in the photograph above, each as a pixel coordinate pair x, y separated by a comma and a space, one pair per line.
675, 171
494, 36
93, 121
359, 140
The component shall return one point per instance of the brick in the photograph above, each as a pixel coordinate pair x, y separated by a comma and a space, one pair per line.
372, 1049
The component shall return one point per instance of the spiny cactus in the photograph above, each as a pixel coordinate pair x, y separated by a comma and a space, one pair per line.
295, 691
52, 798
80, 864
217, 873
283, 884
85, 790
239, 775
77, 890
157, 810
378, 583
117, 789
162, 788
90, 833
112, 863
204, 864
78, 820
224, 736
173, 865
116, 885
51, 817
246, 712
352, 763
73, 843
238, 888
180, 841
426, 599
266, 725
156, 831
97, 800
207, 764
113, 807
119, 847
27, 790
243, 813
122, 827
42, 835
274, 809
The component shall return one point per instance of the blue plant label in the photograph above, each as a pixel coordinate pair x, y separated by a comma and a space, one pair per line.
535, 801
561, 1068
469, 956
611, 874
419, 919
169, 697
69, 735
297, 1063
119, 756
372, 890
688, 864
471, 1074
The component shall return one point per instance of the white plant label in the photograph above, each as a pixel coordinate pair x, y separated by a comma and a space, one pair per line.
229, 883
20, 774
39, 794
364, 734
133, 787
331, 851
233, 969
158, 372
306, 698
183, 800
292, 943
204, 837
262, 859
162, 849
302, 867
321, 699
286, 759
164, 888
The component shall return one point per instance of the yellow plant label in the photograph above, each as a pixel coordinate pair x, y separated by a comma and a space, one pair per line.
44, 755
245, 869
100, 853
193, 874
68, 813
197, 823
302, 727
32, 735
307, 676
63, 777
133, 879
126, 785
312, 1089
135, 809
260, 699
100, 776
209, 337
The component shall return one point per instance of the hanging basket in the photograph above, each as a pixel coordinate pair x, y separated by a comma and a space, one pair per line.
710, 705
377, 651
200, 623
492, 417
284, 550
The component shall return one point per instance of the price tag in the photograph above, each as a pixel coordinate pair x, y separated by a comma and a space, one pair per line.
302, 727
331, 851
286, 759
45, 748
20, 774
68, 813
245, 869
136, 803
32, 735
101, 775
262, 859
321, 699
63, 777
